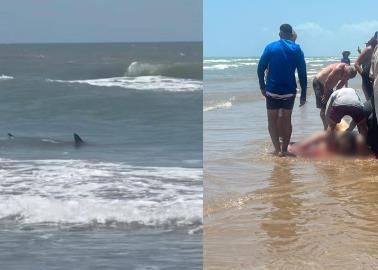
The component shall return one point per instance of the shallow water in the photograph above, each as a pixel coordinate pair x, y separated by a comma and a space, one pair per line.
107, 248
264, 212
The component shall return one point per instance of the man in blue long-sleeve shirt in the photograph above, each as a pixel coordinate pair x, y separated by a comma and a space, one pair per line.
281, 59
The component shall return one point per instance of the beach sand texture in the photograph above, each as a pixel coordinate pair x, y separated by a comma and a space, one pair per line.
265, 212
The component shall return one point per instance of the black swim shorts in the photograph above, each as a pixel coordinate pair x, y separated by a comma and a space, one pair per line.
319, 92
276, 104
336, 113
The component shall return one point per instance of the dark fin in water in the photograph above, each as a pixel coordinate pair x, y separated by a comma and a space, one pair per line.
78, 140
10, 136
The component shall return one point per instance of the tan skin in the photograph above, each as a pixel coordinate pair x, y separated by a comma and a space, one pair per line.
326, 144
362, 127
363, 59
333, 76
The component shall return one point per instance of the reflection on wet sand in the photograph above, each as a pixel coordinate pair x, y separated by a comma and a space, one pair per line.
313, 214
279, 223
263, 212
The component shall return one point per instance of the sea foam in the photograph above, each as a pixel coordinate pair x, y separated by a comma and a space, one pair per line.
159, 83
5, 77
90, 193
219, 106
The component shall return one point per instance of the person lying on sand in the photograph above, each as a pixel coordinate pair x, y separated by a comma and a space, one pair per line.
346, 102
334, 75
325, 145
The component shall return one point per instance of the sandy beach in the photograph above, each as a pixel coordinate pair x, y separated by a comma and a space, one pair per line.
265, 212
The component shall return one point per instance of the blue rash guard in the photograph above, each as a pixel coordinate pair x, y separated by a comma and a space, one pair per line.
283, 57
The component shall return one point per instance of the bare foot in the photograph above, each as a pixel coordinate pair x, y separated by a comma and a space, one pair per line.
287, 154
275, 153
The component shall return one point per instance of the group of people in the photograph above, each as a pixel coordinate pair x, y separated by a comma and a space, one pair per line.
276, 72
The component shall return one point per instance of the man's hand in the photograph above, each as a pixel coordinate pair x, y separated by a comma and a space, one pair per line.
302, 102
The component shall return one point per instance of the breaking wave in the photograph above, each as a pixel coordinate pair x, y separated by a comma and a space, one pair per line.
176, 70
219, 106
5, 77
59, 192
143, 83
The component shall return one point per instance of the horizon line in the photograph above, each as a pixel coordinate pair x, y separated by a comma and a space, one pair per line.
255, 56
97, 42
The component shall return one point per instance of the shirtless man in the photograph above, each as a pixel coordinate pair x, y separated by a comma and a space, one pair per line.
334, 75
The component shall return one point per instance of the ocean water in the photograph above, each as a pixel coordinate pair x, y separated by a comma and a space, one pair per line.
265, 212
130, 197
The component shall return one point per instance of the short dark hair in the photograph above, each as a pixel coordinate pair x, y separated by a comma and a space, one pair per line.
286, 29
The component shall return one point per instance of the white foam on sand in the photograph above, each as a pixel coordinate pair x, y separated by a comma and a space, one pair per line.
219, 106
161, 83
86, 192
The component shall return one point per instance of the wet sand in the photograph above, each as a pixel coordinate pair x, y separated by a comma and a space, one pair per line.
265, 212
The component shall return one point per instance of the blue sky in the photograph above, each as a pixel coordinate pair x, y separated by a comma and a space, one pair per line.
324, 27
100, 20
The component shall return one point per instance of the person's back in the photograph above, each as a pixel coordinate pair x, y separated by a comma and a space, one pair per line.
324, 73
346, 97
346, 102
284, 57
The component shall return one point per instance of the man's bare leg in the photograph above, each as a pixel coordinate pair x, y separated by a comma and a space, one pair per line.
322, 116
287, 129
273, 130
279, 124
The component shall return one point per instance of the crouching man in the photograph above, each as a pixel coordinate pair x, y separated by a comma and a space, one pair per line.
344, 102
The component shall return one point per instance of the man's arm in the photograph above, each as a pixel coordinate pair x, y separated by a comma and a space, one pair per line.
362, 58
342, 83
302, 74
263, 64
332, 79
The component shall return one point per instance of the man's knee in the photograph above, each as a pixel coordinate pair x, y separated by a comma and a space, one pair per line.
286, 116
